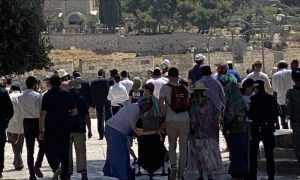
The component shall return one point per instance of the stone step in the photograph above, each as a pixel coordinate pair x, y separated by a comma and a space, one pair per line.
280, 153
286, 166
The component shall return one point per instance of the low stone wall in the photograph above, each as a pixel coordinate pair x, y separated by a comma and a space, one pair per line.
89, 63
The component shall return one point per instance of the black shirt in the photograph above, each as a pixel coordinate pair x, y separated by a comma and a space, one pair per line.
136, 95
58, 103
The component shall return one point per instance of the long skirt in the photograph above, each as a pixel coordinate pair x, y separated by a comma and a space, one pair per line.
238, 149
207, 154
117, 162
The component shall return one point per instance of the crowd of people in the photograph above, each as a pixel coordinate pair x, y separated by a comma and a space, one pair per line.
190, 111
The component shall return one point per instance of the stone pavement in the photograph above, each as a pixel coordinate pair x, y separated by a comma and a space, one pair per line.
96, 152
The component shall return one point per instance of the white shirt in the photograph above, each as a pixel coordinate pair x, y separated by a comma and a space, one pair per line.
117, 94
15, 125
158, 83
281, 82
30, 102
260, 76
124, 121
127, 83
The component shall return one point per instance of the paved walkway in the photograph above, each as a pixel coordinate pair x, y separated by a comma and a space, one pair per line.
96, 157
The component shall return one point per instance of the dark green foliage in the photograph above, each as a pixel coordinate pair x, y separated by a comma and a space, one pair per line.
22, 46
110, 13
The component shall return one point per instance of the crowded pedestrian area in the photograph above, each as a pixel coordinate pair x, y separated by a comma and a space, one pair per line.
211, 124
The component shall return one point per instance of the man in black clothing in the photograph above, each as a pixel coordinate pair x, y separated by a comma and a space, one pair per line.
6, 113
99, 91
263, 112
85, 87
57, 107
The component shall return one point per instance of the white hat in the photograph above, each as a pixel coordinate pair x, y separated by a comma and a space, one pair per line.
166, 62
199, 57
62, 73
229, 62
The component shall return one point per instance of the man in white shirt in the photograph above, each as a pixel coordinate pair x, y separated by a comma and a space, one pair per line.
30, 103
281, 83
117, 94
258, 75
157, 81
15, 130
125, 81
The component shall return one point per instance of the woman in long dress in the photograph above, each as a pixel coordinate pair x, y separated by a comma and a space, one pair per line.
204, 132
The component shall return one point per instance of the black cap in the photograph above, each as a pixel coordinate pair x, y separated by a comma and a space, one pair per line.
248, 83
206, 70
113, 72
259, 84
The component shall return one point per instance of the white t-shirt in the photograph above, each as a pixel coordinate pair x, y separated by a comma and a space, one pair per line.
158, 83
260, 76
281, 82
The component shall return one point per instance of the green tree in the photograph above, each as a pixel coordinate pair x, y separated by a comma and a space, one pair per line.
22, 46
210, 13
110, 13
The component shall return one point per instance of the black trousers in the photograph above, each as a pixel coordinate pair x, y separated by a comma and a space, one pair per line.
31, 133
2, 148
267, 137
103, 114
57, 146
115, 109
282, 118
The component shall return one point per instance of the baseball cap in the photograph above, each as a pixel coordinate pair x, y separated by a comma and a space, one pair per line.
166, 62
16, 84
199, 57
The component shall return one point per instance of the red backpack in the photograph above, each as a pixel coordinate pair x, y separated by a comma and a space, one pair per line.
179, 99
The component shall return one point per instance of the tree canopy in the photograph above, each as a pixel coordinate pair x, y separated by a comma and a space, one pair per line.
22, 46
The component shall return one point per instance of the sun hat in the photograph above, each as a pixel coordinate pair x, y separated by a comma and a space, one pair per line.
62, 73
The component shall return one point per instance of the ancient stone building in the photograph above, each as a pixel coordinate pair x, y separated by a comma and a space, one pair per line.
73, 12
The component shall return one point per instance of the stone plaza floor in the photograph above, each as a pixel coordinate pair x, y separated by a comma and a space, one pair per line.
96, 152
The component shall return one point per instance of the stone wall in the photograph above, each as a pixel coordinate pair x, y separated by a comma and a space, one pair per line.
137, 66
176, 43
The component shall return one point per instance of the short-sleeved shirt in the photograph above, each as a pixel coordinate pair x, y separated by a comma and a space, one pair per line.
124, 121
136, 95
77, 123
57, 102
166, 92
195, 73
260, 76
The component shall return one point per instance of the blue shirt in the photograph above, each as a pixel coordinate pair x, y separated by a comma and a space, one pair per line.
77, 123
235, 73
